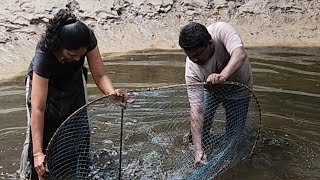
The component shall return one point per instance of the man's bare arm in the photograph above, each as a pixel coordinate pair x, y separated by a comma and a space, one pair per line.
196, 118
237, 58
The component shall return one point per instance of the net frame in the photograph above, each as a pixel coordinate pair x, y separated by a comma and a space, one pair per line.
108, 98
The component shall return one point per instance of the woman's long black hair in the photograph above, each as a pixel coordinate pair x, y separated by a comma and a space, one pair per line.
65, 31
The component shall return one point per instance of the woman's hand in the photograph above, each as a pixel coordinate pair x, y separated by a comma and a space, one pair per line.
117, 92
39, 164
119, 98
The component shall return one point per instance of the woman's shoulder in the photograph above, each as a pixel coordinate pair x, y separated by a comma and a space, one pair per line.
40, 47
41, 55
92, 41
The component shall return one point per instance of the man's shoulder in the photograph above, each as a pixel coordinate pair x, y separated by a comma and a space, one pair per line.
216, 29
220, 29
217, 25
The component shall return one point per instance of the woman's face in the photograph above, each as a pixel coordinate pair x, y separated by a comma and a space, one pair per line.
72, 55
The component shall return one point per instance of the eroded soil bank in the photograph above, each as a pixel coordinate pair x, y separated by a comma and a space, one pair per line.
125, 25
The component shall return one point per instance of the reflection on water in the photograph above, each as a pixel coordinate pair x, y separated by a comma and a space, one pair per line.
286, 82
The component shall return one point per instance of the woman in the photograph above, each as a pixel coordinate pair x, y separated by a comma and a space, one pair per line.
55, 85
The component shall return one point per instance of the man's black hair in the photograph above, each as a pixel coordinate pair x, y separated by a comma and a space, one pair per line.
194, 35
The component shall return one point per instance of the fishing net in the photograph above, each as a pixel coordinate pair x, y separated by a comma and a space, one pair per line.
152, 138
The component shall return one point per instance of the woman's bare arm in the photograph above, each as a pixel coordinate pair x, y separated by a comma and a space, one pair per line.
38, 102
98, 72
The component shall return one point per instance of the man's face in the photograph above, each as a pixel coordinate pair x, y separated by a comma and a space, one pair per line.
73, 55
200, 55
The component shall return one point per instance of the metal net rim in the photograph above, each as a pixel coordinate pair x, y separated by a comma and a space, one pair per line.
160, 88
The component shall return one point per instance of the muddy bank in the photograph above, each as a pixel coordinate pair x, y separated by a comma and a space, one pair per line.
125, 25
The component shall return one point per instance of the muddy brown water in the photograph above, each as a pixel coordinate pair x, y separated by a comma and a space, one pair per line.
286, 82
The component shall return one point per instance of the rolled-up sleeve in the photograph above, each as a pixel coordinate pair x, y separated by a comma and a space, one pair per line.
195, 92
229, 36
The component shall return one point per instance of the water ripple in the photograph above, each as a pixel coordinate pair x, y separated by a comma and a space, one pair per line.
279, 90
12, 92
134, 85
288, 69
10, 110
146, 63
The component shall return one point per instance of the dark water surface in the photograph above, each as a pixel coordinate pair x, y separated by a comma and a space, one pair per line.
286, 81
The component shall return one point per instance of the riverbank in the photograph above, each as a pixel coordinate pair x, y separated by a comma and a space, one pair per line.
127, 25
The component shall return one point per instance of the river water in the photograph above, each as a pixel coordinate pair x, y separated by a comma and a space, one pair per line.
286, 82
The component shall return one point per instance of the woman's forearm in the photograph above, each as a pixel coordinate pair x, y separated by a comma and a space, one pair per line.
38, 101
37, 127
98, 72
104, 84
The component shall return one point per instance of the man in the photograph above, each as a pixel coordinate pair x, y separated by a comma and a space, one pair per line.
215, 54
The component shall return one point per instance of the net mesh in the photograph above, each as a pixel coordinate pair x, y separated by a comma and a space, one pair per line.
158, 134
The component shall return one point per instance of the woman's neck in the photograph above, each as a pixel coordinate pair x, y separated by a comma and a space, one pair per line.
58, 55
